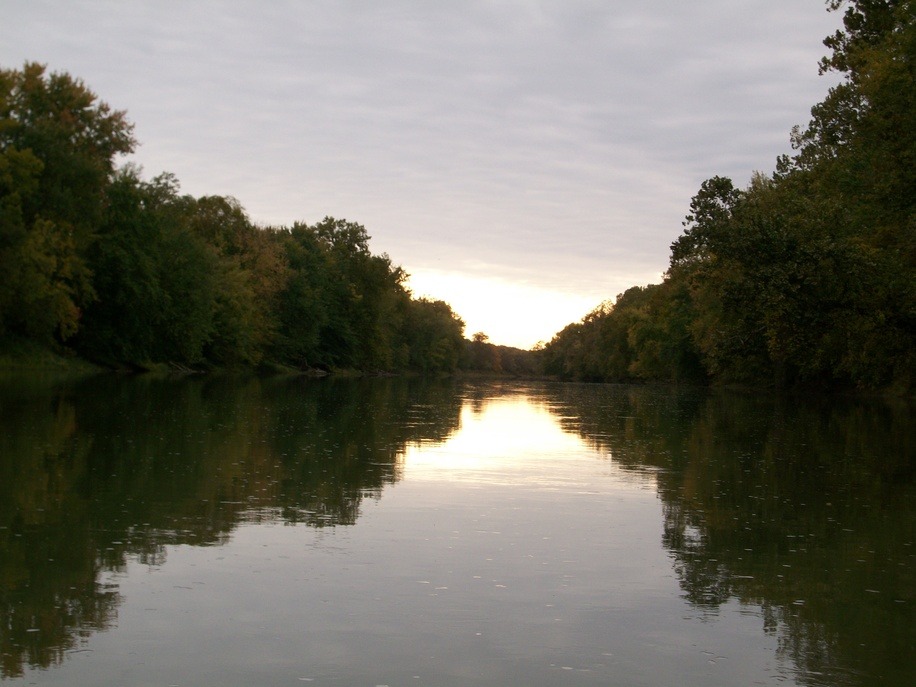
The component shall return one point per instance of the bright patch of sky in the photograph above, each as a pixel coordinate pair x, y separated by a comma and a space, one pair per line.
524, 160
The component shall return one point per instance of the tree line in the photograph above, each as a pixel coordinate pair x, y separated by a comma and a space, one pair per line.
806, 277
131, 272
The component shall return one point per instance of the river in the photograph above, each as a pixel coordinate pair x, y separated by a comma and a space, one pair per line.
287, 531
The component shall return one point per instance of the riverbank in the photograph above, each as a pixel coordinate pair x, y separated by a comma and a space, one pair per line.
21, 356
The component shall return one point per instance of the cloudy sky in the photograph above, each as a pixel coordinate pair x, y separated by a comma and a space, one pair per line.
523, 160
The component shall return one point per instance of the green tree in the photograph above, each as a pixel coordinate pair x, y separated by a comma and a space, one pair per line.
156, 279
562, 354
807, 276
660, 336
435, 336
58, 146
251, 277
856, 167
483, 355
364, 300
707, 224
303, 307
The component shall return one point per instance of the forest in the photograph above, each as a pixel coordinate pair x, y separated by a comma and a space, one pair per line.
805, 278
130, 273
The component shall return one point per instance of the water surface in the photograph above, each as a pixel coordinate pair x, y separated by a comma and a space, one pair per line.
404, 532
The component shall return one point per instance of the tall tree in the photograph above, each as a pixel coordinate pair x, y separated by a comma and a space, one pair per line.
252, 274
435, 336
155, 278
303, 307
58, 146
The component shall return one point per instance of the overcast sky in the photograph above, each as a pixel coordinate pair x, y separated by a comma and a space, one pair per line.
523, 160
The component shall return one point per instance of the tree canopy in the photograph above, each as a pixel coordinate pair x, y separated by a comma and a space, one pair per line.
805, 277
808, 275
129, 271
58, 146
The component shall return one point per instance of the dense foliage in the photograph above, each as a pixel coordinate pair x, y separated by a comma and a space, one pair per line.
808, 275
131, 272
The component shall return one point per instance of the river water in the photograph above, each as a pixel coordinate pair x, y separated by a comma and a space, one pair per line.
242, 531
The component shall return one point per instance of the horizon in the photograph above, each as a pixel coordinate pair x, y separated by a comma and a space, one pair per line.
523, 164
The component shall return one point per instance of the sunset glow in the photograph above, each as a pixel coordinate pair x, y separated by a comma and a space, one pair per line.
509, 313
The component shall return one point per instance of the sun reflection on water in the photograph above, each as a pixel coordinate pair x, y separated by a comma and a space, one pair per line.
513, 440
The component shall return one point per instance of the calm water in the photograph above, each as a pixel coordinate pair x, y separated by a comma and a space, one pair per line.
401, 532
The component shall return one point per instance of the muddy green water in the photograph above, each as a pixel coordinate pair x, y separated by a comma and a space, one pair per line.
405, 532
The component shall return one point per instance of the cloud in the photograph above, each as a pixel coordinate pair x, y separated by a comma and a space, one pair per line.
554, 143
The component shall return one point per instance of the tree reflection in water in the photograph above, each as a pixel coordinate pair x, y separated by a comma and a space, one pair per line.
803, 507
802, 510
95, 472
